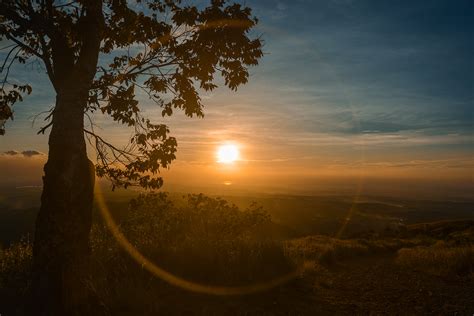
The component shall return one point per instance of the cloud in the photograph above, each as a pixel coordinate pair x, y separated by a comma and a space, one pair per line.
31, 153
12, 153
25, 153
18, 169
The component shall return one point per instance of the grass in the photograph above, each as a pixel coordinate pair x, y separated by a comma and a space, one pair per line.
329, 250
324, 249
213, 242
440, 259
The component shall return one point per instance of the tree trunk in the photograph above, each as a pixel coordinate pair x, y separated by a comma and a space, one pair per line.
61, 248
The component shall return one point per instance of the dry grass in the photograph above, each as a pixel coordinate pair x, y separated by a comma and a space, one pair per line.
327, 250
211, 241
324, 249
439, 259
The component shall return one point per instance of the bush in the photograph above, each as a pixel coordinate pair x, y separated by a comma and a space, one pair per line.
15, 273
206, 240
154, 218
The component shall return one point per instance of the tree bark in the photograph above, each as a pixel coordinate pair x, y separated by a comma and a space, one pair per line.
61, 252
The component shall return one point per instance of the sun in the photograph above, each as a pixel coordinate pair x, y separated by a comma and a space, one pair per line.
227, 154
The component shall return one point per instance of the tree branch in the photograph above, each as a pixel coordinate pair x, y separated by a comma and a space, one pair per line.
8, 70
121, 151
7, 57
24, 46
91, 34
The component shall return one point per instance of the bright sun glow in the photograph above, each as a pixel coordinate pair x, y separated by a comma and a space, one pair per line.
227, 154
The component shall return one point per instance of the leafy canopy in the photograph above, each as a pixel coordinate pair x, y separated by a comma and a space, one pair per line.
165, 50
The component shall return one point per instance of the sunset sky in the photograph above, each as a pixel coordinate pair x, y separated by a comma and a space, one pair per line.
348, 92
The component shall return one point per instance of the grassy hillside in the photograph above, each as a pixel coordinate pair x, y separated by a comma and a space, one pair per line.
418, 269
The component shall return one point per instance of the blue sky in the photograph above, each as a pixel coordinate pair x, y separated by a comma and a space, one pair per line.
343, 84
405, 66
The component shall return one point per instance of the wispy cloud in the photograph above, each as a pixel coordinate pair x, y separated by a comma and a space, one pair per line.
343, 83
25, 153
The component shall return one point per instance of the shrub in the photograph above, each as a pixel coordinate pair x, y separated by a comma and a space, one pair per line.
15, 272
154, 218
205, 239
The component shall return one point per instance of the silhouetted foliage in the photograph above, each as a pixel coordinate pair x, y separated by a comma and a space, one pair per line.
200, 237
157, 218
166, 50
100, 56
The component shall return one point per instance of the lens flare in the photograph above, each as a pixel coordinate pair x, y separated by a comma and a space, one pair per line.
177, 281
226, 154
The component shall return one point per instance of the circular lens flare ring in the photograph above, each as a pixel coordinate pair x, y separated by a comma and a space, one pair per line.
198, 287
177, 281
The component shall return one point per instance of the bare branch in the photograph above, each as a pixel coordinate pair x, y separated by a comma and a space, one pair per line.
47, 118
8, 69
44, 128
8, 46
103, 141
8, 56
24, 46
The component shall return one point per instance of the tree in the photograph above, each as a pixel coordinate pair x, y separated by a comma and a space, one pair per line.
100, 56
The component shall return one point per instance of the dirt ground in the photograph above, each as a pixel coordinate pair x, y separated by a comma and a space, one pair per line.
373, 285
